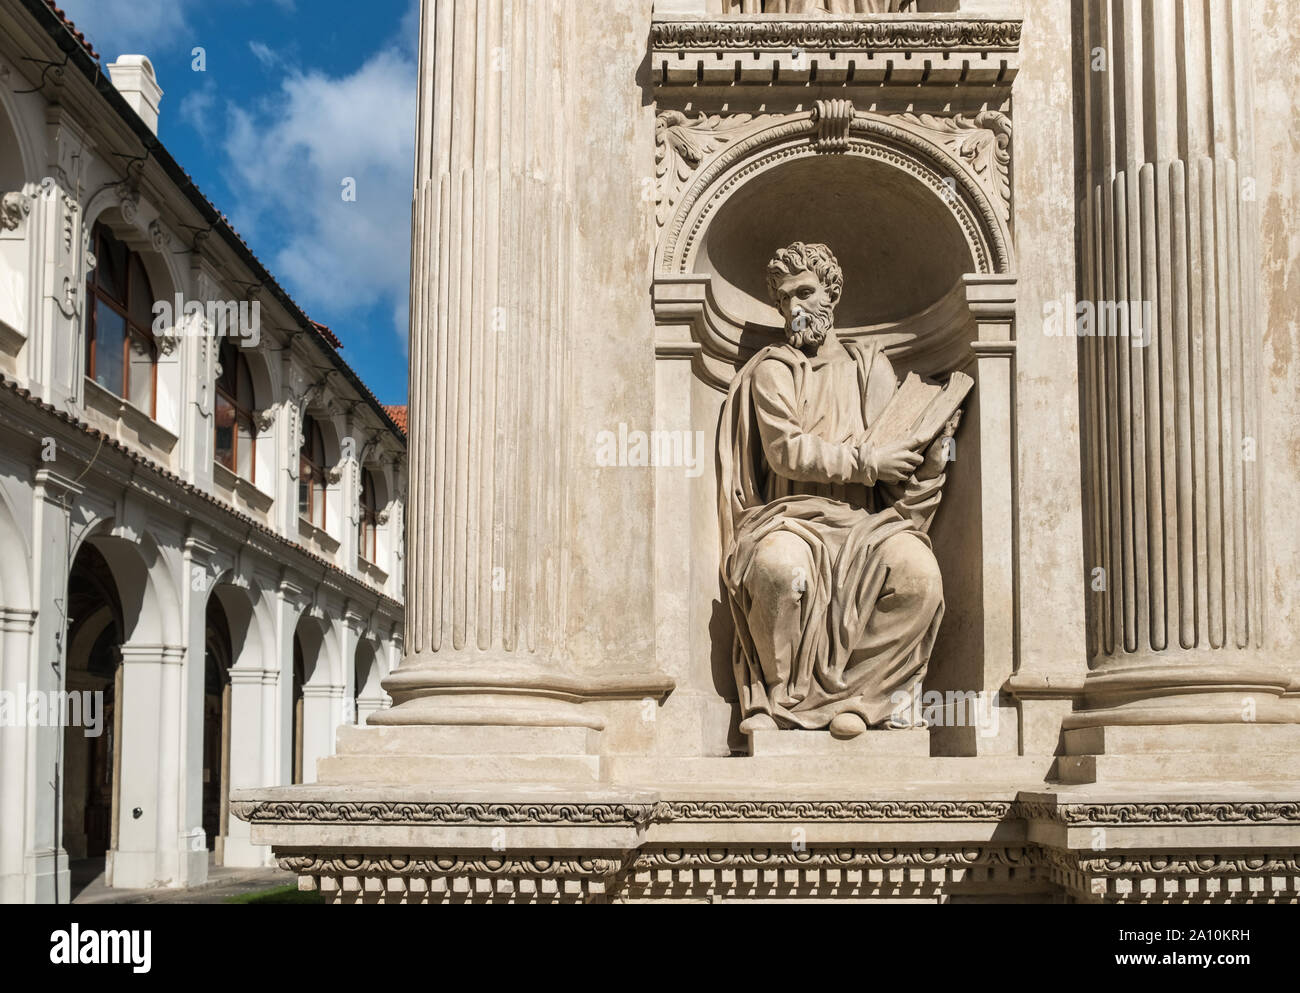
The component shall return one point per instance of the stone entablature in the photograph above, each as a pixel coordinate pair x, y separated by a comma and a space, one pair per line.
849, 51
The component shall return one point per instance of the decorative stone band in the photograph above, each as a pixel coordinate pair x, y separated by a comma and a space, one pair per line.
1103, 814
545, 814
402, 812
832, 810
839, 873
760, 811
863, 51
1167, 878
769, 34
450, 879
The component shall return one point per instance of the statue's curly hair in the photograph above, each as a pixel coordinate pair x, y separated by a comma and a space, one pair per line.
798, 258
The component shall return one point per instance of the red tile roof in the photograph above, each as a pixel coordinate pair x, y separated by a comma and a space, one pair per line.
82, 40
328, 335
398, 414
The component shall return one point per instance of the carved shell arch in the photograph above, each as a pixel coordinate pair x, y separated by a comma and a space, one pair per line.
900, 142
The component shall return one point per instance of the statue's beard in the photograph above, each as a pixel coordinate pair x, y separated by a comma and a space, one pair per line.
810, 327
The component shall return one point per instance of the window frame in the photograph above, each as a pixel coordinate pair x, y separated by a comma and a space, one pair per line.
244, 414
96, 294
316, 473
368, 502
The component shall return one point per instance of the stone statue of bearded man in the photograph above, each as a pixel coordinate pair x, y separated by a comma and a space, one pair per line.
833, 586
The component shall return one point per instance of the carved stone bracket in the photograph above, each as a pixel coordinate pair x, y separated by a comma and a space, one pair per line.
833, 120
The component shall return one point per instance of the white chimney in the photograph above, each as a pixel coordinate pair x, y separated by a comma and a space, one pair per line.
134, 78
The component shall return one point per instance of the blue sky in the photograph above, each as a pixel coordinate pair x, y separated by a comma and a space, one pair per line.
297, 96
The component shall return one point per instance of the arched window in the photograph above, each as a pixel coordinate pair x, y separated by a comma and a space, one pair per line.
121, 354
311, 473
236, 427
369, 517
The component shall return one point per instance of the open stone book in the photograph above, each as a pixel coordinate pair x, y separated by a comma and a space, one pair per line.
919, 410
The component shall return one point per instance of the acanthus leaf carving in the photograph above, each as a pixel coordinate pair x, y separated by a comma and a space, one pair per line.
683, 143
982, 141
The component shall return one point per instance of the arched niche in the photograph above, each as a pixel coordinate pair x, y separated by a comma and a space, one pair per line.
916, 210
909, 221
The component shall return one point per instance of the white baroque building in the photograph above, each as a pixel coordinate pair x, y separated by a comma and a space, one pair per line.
200, 531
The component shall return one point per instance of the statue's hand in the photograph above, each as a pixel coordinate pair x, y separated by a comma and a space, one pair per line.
939, 454
896, 461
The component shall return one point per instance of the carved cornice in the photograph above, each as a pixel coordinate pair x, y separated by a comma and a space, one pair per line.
402, 812
1165, 865
806, 811
426, 866
885, 33
856, 857
1109, 814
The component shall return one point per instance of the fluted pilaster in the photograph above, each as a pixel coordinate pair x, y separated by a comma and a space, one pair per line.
490, 314
1169, 362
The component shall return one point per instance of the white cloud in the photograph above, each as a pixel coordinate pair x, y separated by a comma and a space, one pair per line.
120, 27
196, 108
263, 53
291, 155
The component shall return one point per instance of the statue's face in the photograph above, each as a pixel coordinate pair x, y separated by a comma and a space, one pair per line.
807, 308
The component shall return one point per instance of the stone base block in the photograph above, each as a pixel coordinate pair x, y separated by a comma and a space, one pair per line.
469, 754
913, 743
1209, 753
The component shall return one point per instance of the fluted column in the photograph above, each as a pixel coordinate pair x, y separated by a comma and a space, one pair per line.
1169, 363
490, 323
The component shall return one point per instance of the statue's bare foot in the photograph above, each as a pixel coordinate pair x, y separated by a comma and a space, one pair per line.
758, 722
847, 725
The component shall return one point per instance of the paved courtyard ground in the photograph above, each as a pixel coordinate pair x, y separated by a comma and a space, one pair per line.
223, 885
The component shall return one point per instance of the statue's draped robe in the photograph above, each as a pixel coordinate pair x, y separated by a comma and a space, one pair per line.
810, 419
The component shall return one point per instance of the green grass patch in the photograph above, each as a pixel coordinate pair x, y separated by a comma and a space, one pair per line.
279, 895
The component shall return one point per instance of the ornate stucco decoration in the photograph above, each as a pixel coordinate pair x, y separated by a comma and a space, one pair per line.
168, 341
982, 141
129, 205
14, 208
682, 143
158, 236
